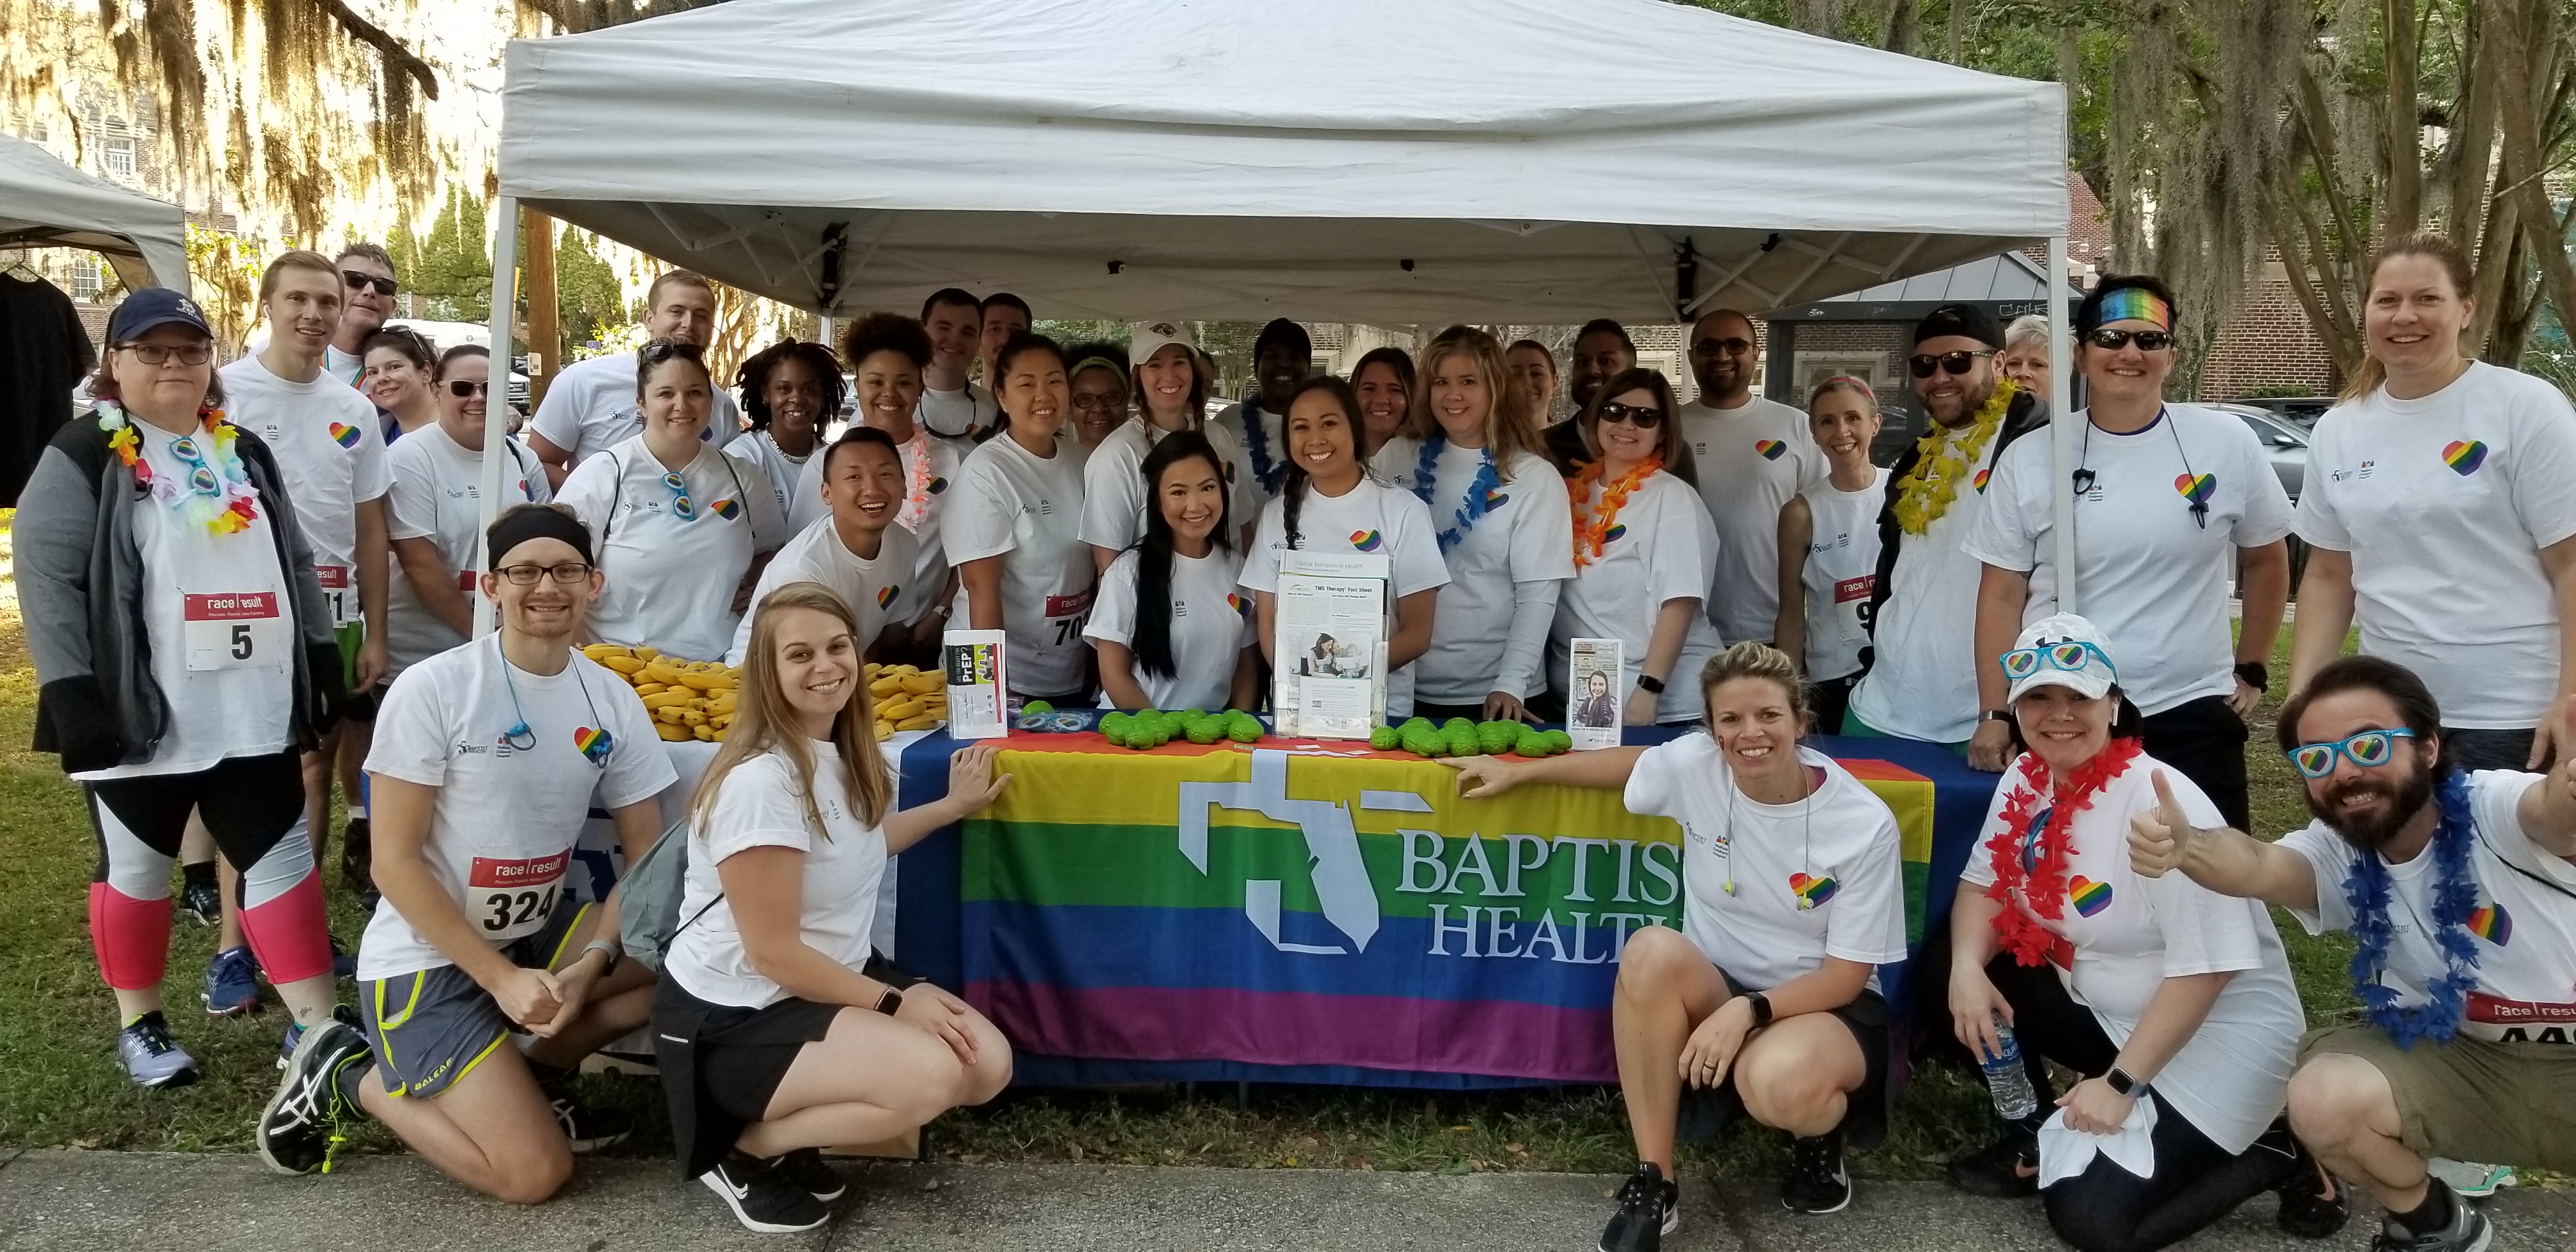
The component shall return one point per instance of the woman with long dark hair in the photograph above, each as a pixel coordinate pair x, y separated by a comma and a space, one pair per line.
1384, 382
1168, 628
1171, 396
1010, 530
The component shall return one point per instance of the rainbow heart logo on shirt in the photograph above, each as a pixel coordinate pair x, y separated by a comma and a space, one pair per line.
1242, 605
2492, 924
726, 509
1495, 500
1613, 534
2088, 897
347, 436
885, 595
938, 485
1366, 540
594, 744
1812, 890
2464, 457
1770, 448
2196, 488
1979, 482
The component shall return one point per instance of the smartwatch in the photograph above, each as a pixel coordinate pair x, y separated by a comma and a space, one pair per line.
2121, 1083
1761, 1009
1995, 715
891, 1001
1650, 684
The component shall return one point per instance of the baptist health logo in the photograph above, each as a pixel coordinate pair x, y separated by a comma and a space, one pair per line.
1332, 846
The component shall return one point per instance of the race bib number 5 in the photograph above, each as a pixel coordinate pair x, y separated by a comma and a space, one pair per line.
511, 899
339, 593
234, 630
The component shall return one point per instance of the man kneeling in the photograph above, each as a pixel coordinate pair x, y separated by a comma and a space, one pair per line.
486, 757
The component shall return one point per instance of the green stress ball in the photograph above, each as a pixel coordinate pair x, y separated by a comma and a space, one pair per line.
1035, 707
1206, 730
1385, 738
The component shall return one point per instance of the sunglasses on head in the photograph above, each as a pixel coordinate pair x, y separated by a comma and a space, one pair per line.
359, 282
1951, 362
2370, 749
1643, 417
2072, 656
461, 389
2113, 340
1731, 346
656, 353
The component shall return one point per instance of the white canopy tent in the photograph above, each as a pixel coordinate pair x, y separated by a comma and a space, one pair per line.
45, 203
1531, 161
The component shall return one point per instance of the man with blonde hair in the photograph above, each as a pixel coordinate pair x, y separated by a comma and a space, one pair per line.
591, 406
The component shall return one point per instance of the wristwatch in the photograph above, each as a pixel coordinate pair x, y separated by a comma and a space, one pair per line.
1650, 684
2121, 1083
608, 946
891, 1001
1994, 715
1761, 1009
2254, 674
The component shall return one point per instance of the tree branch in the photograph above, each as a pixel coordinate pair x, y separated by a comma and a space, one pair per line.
2526, 30
395, 54
2405, 155
2309, 105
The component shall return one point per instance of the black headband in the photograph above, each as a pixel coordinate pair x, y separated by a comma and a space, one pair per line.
535, 521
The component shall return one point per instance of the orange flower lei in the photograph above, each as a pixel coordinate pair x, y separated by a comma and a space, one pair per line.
1592, 530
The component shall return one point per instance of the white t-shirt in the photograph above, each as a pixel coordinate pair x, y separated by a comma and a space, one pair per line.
230, 595
330, 448
2152, 578
1484, 639
1114, 492
1660, 548
930, 466
591, 407
758, 805
1371, 517
438, 496
2131, 932
510, 806
1211, 625
345, 366
1922, 685
1750, 460
878, 590
1258, 433
1747, 866
784, 471
2444, 503
959, 415
2525, 931
671, 580
1027, 510
1840, 572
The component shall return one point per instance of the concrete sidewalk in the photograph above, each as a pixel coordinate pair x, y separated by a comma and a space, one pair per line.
218, 1203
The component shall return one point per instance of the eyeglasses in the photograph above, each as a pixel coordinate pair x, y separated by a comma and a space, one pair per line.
2110, 340
2370, 749
461, 389
164, 353
1637, 415
360, 282
680, 506
568, 573
2073, 656
1731, 346
1097, 404
201, 476
1951, 362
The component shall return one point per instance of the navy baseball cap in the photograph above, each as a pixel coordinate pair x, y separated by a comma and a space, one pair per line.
150, 308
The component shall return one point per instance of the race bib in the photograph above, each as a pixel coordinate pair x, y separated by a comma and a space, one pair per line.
339, 594
512, 899
234, 630
1851, 607
2518, 1021
1066, 614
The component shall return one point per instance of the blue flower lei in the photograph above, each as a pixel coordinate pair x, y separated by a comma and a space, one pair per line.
2366, 891
1267, 472
1482, 494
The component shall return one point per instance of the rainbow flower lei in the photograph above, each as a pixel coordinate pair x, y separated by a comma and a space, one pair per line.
1482, 494
1925, 493
218, 495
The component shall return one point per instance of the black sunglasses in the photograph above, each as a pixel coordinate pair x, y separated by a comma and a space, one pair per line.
1731, 346
462, 389
1640, 416
358, 281
1952, 362
2113, 340
657, 352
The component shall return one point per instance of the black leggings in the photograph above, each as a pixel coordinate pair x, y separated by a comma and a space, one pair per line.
2204, 739
2107, 1208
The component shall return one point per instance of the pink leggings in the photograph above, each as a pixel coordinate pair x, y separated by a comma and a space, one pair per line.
254, 807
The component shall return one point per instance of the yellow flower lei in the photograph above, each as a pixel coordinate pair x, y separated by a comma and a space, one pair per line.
1925, 493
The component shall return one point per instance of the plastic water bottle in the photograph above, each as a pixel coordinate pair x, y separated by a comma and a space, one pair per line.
2005, 1077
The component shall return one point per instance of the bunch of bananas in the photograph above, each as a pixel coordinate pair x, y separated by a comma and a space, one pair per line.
907, 697
688, 699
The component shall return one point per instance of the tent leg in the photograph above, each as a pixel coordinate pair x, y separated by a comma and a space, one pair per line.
496, 425
2063, 428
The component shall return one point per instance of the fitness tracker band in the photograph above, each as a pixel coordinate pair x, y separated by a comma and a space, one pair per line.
1650, 684
1761, 1009
891, 1001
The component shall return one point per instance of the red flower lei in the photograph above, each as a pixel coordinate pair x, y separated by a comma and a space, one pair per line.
2045, 891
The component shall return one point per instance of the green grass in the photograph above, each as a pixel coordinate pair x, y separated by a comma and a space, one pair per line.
60, 1084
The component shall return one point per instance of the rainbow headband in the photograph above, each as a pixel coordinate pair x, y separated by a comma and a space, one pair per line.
2133, 304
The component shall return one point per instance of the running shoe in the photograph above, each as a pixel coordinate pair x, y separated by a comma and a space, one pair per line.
1817, 1183
300, 1128
1650, 1207
761, 1196
232, 983
340, 1013
2471, 1179
588, 1128
2467, 1231
2006, 1169
198, 891
804, 1168
152, 1058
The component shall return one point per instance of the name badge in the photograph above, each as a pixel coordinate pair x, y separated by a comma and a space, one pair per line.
234, 630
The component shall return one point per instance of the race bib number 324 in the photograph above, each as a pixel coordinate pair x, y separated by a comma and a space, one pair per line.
234, 630
511, 899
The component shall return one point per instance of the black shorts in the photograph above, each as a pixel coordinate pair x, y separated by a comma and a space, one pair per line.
721, 1064
1707, 1110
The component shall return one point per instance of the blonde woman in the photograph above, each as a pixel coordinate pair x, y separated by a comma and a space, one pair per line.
1829, 549
778, 1030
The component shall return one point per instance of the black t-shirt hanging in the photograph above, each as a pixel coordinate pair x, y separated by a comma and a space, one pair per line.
44, 354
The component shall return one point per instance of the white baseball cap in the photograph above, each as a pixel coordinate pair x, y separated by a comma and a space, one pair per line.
2061, 650
1147, 338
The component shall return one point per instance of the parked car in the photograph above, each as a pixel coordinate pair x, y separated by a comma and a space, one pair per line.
2284, 440
2302, 411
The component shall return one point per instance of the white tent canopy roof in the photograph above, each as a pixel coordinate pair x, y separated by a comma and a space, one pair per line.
46, 203
1536, 161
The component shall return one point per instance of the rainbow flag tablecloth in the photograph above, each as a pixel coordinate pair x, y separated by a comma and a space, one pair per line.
1324, 912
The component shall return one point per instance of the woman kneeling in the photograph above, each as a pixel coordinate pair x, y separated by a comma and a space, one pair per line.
778, 1031
1766, 1002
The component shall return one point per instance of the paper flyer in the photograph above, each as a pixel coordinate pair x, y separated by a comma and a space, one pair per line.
1594, 693
978, 695
1329, 677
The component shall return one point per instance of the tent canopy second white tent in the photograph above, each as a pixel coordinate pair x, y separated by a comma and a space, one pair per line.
45, 203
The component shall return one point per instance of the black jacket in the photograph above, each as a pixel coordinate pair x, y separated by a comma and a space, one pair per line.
2025, 414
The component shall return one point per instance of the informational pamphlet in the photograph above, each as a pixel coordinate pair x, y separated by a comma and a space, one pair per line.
1593, 692
978, 695
1329, 678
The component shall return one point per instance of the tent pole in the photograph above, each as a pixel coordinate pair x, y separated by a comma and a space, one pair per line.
2061, 421
496, 405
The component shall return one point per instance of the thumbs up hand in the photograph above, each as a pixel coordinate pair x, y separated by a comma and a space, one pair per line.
2159, 836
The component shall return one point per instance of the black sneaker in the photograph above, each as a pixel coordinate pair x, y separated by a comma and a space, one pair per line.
1650, 1207
761, 1196
804, 1168
2467, 1231
2314, 1203
300, 1129
2007, 1169
1817, 1182
197, 889
588, 1128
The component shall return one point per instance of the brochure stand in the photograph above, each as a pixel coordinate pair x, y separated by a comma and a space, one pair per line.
1595, 705
1329, 677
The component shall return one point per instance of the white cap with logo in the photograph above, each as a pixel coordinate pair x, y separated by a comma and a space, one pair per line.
1147, 338
2061, 650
